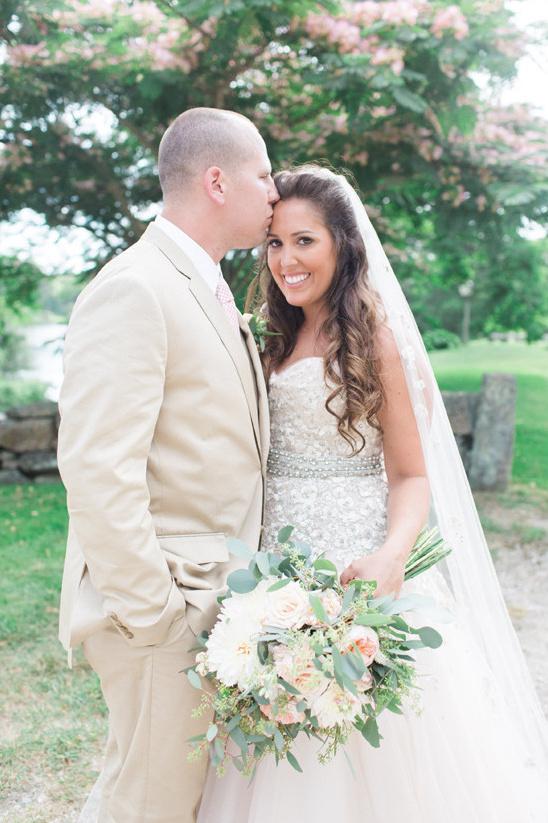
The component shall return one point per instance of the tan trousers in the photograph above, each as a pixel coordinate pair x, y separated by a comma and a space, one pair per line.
147, 777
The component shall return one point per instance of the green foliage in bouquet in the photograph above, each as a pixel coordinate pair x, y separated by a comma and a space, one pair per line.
294, 652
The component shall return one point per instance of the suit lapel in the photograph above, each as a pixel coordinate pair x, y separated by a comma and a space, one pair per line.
264, 422
222, 327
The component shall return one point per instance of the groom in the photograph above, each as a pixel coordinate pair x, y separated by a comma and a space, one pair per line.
162, 449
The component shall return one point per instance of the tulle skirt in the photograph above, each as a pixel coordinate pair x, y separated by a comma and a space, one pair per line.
459, 760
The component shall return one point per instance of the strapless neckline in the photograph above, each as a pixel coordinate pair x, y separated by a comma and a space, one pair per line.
296, 363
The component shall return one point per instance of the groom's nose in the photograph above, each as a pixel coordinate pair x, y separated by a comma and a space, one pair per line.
273, 194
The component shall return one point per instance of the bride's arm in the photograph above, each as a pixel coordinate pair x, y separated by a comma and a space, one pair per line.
408, 488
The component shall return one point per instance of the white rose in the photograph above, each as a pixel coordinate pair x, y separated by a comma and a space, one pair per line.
286, 608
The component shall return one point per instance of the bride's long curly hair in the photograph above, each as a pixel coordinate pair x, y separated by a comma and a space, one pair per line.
351, 362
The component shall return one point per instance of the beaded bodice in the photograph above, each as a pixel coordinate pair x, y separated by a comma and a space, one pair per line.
337, 503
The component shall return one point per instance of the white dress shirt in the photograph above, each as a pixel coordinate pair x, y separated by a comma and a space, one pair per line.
205, 264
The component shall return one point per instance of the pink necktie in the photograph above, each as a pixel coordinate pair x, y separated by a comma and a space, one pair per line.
225, 298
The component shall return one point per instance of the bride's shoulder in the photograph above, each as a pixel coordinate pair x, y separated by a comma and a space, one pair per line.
386, 346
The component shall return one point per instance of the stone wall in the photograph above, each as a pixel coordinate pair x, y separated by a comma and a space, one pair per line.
484, 428
483, 425
28, 444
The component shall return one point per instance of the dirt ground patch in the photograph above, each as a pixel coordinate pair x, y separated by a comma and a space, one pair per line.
516, 527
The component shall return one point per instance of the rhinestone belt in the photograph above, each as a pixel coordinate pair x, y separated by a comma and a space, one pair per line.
283, 463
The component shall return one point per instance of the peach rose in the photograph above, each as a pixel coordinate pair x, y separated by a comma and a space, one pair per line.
286, 715
367, 641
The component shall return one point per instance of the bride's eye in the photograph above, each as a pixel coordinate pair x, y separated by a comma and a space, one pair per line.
273, 244
305, 241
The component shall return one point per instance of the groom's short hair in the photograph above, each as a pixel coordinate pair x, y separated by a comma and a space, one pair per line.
198, 139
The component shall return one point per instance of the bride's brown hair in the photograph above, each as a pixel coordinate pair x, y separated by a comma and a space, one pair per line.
351, 363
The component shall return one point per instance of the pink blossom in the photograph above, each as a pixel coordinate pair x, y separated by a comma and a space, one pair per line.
451, 19
398, 12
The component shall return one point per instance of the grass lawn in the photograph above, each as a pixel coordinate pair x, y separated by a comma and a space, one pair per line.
462, 369
53, 719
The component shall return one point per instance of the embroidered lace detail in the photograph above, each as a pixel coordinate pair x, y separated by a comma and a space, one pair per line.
343, 515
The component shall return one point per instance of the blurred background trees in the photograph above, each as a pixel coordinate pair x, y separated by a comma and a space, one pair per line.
399, 92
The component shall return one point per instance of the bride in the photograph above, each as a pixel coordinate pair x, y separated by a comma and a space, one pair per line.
361, 457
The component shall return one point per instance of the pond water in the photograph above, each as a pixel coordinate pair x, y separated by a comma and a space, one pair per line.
45, 342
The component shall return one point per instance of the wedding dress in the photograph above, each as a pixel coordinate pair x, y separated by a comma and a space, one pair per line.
458, 758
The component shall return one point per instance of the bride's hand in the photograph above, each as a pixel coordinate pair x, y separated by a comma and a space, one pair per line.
388, 572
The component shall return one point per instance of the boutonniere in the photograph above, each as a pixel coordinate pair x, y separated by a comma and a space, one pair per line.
258, 325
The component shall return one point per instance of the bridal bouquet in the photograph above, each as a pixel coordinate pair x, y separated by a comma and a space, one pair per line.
293, 652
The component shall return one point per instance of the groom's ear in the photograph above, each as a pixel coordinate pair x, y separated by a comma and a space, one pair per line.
215, 184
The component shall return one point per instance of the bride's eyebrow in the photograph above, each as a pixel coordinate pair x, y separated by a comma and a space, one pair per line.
294, 233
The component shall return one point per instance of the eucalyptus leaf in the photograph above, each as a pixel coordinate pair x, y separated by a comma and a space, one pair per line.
194, 679
318, 609
233, 722
430, 637
212, 732
292, 760
197, 738
279, 584
349, 761
241, 581
238, 548
370, 731
239, 738
278, 740
263, 563
285, 533
287, 686
262, 701
373, 619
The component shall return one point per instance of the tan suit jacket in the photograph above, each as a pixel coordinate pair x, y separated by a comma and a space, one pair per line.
162, 447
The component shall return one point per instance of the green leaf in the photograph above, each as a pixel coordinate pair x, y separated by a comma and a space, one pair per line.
325, 566
212, 732
292, 760
430, 637
349, 684
239, 738
194, 679
285, 533
370, 731
279, 585
349, 596
318, 609
279, 740
262, 651
353, 665
233, 722
287, 686
409, 100
373, 619
349, 761
241, 581
337, 666
219, 749
263, 563
262, 701
238, 548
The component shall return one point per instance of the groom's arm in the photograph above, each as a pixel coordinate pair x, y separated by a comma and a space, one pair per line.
115, 359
